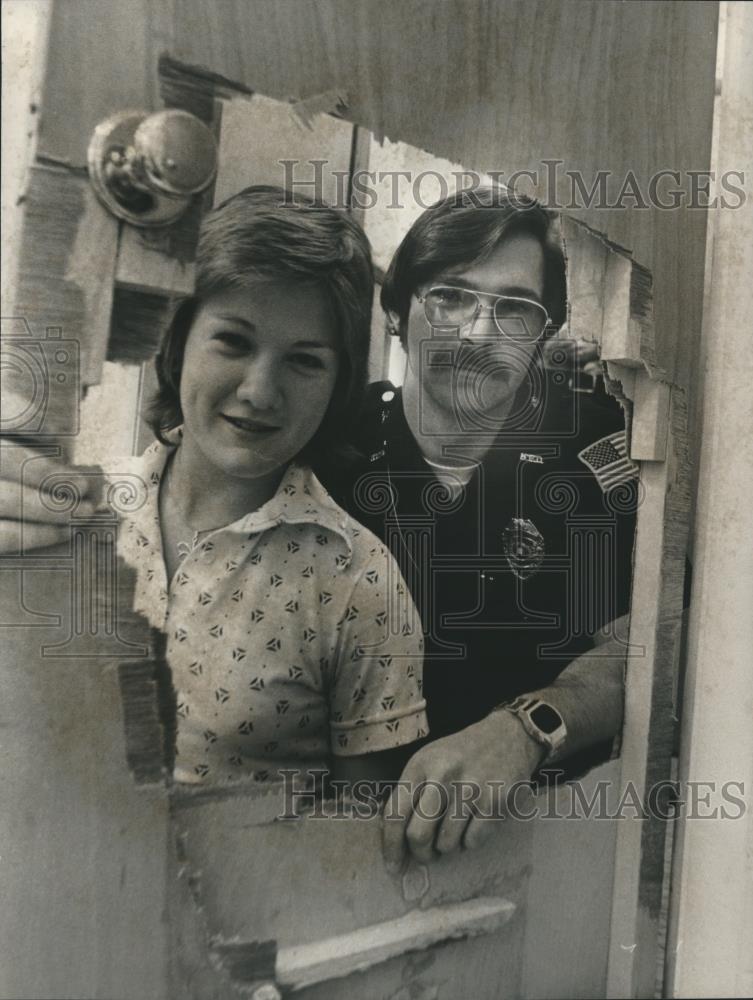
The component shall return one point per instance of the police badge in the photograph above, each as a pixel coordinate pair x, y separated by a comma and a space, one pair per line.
523, 546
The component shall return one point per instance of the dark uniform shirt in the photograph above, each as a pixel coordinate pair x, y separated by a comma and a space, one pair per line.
514, 574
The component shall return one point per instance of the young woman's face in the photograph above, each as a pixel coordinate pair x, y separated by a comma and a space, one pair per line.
259, 369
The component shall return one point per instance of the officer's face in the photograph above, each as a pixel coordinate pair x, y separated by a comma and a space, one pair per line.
477, 367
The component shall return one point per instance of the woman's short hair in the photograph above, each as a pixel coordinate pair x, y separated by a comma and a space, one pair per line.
268, 232
463, 228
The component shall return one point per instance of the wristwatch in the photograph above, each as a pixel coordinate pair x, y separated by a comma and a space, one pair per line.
541, 721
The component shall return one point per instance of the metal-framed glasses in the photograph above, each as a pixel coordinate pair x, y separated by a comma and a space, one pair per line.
450, 307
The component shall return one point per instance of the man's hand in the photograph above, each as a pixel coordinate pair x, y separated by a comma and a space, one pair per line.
477, 768
482, 767
30, 518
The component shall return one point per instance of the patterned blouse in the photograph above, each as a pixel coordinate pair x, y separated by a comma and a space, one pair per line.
291, 634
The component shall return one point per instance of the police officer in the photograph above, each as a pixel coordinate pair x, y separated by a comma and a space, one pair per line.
508, 501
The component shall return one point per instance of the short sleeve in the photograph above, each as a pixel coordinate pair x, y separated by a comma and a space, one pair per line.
376, 699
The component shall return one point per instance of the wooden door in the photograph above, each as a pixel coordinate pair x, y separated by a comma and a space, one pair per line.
116, 886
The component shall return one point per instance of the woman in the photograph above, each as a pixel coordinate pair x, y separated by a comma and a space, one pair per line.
291, 639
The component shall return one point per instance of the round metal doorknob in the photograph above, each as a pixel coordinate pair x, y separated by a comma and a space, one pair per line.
178, 152
147, 168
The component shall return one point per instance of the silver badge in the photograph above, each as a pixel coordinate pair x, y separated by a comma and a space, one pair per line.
523, 545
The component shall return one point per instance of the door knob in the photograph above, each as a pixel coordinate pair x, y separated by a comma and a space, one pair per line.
147, 168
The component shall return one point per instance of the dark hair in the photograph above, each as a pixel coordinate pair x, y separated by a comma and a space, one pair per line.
268, 232
465, 227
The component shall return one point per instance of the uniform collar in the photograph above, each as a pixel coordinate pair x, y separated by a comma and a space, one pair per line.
300, 499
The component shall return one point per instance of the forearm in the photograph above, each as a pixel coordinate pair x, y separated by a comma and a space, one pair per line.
589, 695
496, 755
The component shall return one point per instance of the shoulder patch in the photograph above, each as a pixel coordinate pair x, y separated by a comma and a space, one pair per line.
608, 459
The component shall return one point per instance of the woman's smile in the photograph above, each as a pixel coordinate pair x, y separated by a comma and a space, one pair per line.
251, 427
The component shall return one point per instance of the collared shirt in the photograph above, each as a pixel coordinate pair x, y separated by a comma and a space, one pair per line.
291, 634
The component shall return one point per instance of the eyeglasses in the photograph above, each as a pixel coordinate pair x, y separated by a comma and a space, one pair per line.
449, 307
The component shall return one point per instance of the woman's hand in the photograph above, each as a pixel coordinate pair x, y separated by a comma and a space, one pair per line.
29, 516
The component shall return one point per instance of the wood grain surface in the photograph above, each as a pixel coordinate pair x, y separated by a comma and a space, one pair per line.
84, 860
499, 85
494, 86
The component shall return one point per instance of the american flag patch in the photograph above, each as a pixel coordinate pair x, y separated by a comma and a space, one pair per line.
608, 459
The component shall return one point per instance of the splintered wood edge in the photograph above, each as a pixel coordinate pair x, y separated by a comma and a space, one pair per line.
332, 958
612, 306
304, 965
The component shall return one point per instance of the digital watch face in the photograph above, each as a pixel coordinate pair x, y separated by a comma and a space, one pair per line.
547, 720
